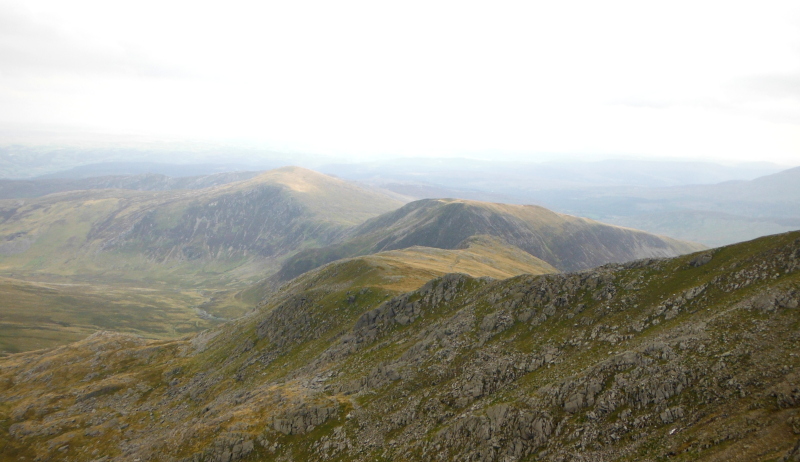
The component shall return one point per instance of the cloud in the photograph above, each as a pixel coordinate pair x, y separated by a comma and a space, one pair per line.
30, 46
413, 77
775, 86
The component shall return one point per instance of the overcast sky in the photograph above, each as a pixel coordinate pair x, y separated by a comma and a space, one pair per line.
712, 80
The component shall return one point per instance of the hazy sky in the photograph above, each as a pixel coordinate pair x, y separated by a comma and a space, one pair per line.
715, 80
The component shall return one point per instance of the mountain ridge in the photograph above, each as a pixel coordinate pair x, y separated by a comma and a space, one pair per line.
566, 242
245, 224
687, 358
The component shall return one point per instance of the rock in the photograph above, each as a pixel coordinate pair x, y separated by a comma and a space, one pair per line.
701, 259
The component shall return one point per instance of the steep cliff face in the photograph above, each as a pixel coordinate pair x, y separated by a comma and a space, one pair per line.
690, 358
566, 242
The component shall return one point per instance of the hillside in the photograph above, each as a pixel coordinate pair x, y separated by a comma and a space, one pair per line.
159, 263
410, 268
43, 315
477, 256
217, 235
566, 242
690, 358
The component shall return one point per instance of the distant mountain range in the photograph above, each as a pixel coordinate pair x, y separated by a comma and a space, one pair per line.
712, 214
209, 239
658, 197
17, 189
696, 201
520, 178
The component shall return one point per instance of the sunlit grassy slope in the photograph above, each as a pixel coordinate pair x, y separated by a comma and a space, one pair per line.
42, 315
480, 256
410, 268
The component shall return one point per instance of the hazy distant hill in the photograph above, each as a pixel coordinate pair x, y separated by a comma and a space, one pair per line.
13, 189
517, 178
171, 159
143, 168
689, 359
568, 243
713, 214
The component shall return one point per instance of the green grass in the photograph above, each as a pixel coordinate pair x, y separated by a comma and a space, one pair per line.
43, 315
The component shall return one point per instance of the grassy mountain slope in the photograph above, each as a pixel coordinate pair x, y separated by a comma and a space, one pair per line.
478, 256
690, 358
41, 315
231, 232
146, 261
410, 268
566, 242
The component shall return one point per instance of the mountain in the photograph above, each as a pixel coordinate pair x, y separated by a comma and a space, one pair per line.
688, 358
65, 161
568, 243
477, 256
227, 233
711, 204
159, 263
35, 315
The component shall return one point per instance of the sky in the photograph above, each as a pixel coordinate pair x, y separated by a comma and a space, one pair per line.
512, 80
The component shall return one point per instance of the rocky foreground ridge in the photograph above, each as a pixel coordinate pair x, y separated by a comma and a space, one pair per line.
690, 358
